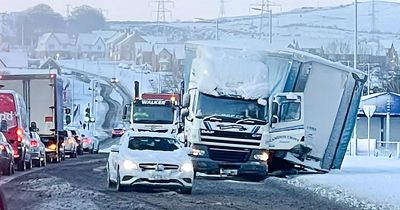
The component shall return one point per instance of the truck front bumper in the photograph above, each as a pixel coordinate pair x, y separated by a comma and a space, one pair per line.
208, 166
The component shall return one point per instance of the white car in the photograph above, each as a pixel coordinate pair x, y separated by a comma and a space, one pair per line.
150, 159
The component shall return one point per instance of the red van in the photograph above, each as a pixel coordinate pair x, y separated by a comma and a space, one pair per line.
13, 112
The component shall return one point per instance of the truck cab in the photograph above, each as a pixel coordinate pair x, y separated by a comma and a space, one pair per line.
155, 113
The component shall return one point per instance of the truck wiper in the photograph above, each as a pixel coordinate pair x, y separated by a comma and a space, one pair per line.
252, 121
213, 117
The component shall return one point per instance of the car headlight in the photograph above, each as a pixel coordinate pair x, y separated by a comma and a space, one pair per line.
263, 156
187, 167
129, 165
173, 131
198, 152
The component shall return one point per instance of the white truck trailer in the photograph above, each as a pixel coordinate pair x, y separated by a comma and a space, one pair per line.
249, 109
42, 90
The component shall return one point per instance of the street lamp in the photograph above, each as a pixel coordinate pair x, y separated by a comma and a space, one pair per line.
355, 34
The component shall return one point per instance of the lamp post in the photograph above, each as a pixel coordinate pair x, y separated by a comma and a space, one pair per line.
355, 34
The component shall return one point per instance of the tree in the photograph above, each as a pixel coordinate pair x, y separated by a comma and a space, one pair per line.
86, 19
36, 21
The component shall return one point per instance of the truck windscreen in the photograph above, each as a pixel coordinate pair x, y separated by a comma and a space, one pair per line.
8, 109
230, 108
153, 114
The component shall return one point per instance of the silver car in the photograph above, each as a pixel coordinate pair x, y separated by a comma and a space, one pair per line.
70, 145
89, 143
38, 150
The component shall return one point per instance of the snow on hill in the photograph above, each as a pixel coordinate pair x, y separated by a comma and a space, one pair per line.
309, 26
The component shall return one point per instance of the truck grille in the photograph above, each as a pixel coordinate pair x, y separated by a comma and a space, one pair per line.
152, 166
229, 154
154, 131
232, 138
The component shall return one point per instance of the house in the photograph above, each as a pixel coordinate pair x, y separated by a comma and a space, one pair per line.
13, 59
387, 110
90, 45
125, 49
56, 45
111, 43
106, 35
168, 57
143, 53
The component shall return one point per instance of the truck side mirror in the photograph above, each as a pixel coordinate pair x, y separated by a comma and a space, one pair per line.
186, 100
33, 127
3, 126
184, 113
274, 119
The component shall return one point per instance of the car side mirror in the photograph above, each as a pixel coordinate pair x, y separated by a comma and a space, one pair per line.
186, 100
115, 148
3, 127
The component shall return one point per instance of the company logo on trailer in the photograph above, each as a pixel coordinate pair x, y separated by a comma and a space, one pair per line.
153, 102
8, 116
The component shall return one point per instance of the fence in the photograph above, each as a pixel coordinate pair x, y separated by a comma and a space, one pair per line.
376, 148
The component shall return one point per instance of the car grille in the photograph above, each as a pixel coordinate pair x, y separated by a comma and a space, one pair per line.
152, 166
229, 154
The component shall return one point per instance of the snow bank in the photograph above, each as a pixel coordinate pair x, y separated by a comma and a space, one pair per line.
249, 74
370, 179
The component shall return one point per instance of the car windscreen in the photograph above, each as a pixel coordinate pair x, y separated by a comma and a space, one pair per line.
152, 143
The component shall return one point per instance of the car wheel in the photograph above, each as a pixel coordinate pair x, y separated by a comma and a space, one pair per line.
119, 186
110, 184
29, 164
186, 190
21, 166
8, 171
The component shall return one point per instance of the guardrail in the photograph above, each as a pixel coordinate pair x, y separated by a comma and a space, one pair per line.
360, 147
388, 149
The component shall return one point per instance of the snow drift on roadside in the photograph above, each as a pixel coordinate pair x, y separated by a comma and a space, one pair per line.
370, 179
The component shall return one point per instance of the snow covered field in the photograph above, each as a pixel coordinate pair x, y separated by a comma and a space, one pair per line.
369, 179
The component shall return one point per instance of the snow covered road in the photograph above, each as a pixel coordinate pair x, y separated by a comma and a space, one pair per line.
81, 184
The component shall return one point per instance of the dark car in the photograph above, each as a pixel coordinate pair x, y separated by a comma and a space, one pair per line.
78, 140
6, 157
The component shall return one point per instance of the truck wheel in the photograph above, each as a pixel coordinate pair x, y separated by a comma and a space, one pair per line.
186, 190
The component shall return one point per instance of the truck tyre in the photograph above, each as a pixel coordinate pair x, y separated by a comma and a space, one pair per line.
186, 190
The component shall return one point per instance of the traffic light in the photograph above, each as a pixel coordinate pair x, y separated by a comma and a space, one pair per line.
87, 114
68, 116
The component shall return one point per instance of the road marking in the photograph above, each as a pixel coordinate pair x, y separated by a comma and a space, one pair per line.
99, 169
18, 174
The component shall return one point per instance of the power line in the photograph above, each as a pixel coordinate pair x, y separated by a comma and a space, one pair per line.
162, 9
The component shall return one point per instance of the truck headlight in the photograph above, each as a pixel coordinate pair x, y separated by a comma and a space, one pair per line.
187, 167
262, 156
198, 152
129, 165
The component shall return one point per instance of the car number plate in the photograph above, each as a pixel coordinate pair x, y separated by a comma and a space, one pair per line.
231, 172
158, 175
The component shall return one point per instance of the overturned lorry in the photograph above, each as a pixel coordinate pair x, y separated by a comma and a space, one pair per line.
252, 109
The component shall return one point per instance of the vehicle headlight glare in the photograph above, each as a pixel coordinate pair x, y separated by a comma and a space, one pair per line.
263, 156
198, 152
129, 165
187, 167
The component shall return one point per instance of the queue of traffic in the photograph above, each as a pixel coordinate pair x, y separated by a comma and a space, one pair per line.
33, 131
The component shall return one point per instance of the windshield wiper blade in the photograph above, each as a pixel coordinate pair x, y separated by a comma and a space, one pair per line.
248, 120
213, 117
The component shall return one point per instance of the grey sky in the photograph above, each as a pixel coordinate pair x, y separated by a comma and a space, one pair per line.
182, 9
